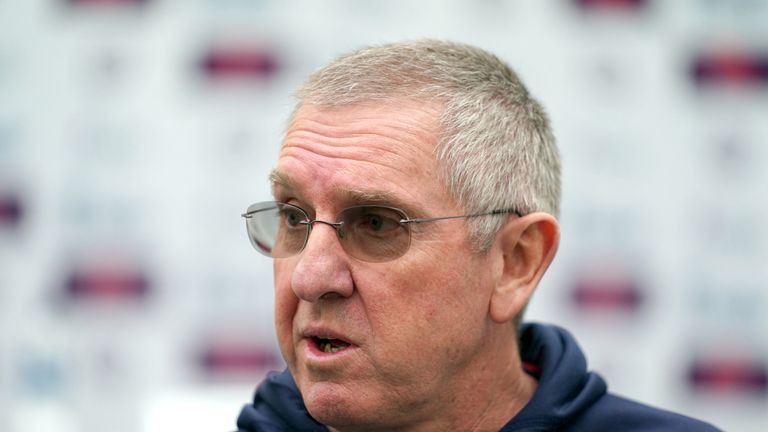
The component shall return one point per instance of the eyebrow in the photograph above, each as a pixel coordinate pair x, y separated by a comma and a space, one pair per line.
281, 181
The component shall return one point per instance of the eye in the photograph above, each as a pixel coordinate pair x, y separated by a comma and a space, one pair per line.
375, 222
292, 217
378, 220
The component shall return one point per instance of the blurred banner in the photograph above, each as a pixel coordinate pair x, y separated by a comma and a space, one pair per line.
133, 133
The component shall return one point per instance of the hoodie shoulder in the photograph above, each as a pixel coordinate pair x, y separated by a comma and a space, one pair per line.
570, 398
615, 413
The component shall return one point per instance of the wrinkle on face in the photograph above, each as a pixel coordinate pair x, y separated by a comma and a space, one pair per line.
378, 140
344, 144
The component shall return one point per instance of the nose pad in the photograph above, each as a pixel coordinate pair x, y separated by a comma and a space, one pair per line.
338, 226
334, 225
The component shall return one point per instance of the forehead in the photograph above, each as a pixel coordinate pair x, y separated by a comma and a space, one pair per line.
373, 152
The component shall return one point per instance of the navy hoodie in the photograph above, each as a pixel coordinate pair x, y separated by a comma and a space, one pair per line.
568, 397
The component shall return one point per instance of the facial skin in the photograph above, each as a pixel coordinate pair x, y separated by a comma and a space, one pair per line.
431, 347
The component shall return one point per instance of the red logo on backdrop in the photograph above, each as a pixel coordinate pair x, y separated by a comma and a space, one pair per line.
106, 3
11, 210
730, 68
237, 359
107, 283
239, 62
729, 375
607, 293
612, 4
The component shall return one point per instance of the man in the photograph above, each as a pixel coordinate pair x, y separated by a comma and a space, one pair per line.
416, 196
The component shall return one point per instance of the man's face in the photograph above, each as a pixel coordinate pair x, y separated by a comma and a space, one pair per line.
412, 330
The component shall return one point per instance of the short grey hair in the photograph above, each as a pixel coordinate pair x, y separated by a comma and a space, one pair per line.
496, 148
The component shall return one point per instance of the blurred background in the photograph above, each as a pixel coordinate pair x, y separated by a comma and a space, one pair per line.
133, 133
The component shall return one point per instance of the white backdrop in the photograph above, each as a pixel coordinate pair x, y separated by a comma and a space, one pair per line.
134, 133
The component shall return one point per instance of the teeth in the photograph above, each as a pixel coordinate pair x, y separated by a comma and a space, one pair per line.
327, 347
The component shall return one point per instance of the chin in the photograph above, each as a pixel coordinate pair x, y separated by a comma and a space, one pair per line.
334, 406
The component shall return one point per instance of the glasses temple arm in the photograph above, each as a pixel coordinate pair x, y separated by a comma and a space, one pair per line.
248, 214
491, 213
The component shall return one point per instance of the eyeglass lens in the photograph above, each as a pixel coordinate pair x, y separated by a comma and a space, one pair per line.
368, 233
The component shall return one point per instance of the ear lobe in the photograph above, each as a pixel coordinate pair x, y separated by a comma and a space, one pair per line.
527, 246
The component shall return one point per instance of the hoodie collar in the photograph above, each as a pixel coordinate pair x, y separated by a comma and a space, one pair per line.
565, 388
277, 406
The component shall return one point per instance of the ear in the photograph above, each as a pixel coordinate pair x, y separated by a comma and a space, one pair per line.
525, 247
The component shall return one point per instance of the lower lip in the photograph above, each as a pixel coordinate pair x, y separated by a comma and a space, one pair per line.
315, 354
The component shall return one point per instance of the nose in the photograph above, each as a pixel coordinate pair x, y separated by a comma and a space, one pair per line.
322, 270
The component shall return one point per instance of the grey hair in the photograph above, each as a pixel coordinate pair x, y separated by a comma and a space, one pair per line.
496, 148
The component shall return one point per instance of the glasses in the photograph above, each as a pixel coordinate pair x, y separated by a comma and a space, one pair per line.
371, 233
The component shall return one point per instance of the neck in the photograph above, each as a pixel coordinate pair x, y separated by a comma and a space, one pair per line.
500, 395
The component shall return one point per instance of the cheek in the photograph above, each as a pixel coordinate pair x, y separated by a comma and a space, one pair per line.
431, 307
285, 307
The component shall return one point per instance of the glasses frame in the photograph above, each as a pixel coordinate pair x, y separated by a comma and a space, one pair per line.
338, 225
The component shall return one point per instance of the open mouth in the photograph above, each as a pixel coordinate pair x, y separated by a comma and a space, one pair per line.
329, 345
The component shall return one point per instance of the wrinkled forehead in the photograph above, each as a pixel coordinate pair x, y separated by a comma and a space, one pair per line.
376, 153
404, 115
